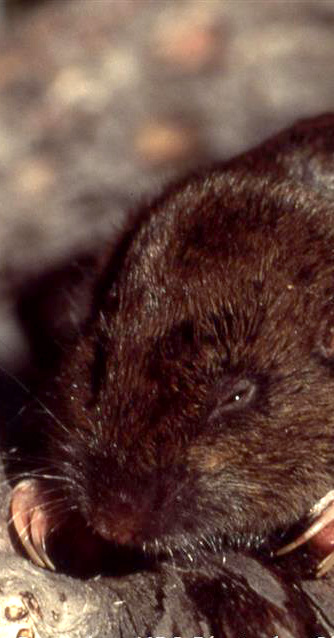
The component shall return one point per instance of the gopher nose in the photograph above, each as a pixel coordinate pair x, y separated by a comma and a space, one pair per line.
122, 523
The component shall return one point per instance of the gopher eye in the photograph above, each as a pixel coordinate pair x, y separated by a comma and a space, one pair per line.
240, 395
233, 396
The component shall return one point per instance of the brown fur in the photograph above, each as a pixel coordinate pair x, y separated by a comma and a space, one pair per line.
223, 288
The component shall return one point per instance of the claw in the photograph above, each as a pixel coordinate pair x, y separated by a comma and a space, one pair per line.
314, 529
39, 529
324, 510
325, 565
31, 522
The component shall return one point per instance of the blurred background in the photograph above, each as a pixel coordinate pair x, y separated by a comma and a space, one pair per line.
103, 101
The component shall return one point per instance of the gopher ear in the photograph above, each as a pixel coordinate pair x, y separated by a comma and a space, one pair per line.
325, 338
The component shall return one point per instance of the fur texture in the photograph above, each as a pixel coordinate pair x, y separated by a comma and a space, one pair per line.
196, 405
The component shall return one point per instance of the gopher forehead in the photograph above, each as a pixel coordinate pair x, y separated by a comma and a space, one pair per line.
239, 303
185, 279
219, 250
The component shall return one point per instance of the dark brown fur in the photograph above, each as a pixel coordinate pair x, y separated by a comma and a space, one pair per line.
224, 288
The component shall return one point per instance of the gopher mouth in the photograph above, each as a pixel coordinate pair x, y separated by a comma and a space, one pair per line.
35, 516
53, 537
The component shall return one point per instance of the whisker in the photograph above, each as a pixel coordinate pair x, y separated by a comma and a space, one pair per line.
45, 505
25, 388
39, 474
